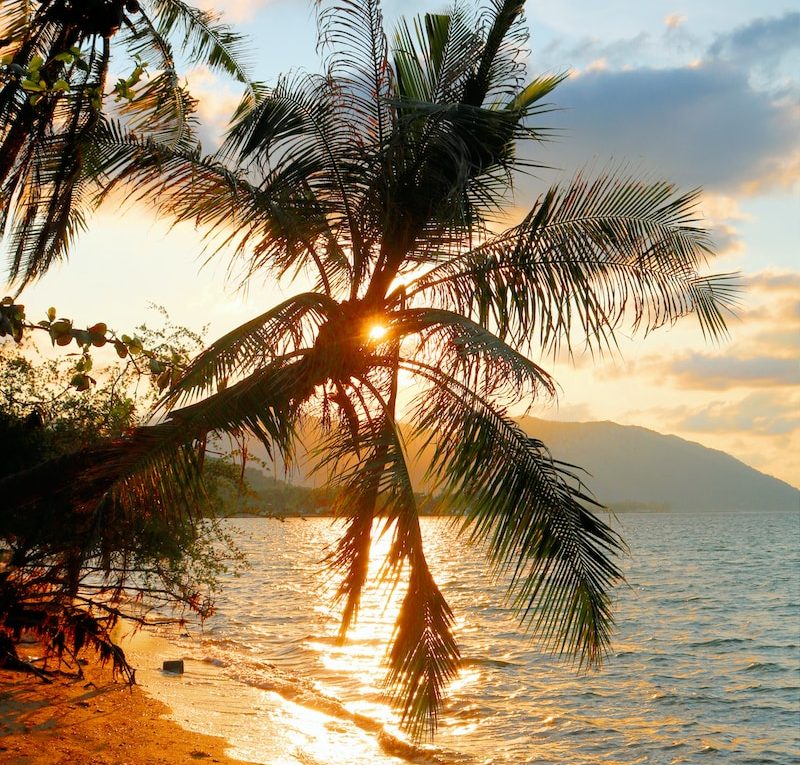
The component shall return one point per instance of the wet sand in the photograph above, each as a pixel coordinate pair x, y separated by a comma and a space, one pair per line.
93, 721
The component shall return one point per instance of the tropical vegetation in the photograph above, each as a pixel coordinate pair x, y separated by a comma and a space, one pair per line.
380, 186
69, 576
58, 112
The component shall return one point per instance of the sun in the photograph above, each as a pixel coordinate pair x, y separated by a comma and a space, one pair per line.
377, 331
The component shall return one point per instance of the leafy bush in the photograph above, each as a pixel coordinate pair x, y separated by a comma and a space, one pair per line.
69, 571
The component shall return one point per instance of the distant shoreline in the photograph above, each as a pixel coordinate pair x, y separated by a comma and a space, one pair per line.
615, 510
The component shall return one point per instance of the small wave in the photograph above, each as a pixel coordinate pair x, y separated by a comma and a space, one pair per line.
299, 691
420, 754
763, 666
717, 642
482, 661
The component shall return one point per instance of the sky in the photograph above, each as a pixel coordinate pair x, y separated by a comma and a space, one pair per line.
703, 93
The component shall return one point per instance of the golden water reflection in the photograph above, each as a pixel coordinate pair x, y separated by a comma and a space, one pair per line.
674, 689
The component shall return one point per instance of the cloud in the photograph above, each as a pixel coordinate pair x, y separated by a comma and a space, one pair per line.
778, 172
774, 281
233, 10
781, 340
760, 413
763, 43
707, 372
719, 212
703, 125
217, 99
674, 20
728, 119
577, 412
582, 54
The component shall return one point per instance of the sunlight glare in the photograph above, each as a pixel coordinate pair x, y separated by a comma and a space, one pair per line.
377, 331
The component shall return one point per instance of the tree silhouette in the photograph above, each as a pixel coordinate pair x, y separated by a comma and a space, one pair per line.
383, 180
56, 107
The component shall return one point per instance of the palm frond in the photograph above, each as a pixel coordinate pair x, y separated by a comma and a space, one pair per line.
275, 226
301, 142
164, 111
205, 39
46, 199
468, 352
351, 37
144, 42
284, 329
44, 183
531, 511
500, 72
424, 656
433, 62
266, 404
15, 22
584, 259
151, 471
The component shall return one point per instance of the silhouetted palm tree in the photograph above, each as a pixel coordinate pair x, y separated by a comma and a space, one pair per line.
54, 101
381, 179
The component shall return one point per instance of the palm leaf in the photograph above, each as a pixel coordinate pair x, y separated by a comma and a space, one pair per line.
531, 512
152, 471
501, 69
424, 656
275, 226
288, 327
581, 260
351, 36
205, 39
433, 61
300, 140
15, 22
46, 199
468, 352
164, 111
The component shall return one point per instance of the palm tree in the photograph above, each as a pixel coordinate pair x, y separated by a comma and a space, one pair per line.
382, 181
54, 62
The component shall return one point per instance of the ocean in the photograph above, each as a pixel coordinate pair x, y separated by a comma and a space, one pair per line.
704, 665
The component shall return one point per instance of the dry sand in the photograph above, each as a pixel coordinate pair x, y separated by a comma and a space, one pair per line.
93, 721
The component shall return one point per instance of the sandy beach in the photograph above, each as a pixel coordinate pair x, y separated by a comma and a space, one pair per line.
93, 721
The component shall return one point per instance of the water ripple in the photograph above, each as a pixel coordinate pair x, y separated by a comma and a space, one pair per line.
704, 665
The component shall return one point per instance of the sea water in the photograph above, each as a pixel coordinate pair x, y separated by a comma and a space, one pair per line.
704, 665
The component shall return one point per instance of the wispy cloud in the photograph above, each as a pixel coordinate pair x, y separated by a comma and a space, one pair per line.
719, 120
709, 372
762, 413
234, 10
775, 281
704, 125
674, 20
764, 43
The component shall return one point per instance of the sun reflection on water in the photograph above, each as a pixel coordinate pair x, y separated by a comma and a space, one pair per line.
668, 689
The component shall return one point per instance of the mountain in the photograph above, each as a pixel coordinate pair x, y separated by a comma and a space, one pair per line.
633, 468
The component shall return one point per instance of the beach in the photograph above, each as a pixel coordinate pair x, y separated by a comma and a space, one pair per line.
93, 721
703, 665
